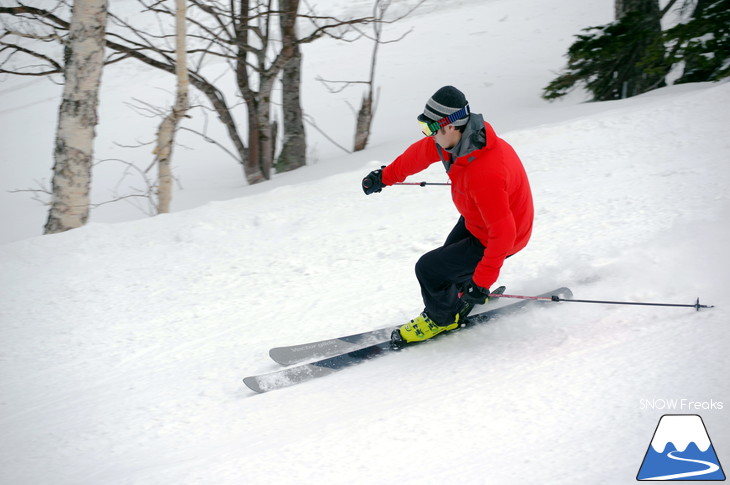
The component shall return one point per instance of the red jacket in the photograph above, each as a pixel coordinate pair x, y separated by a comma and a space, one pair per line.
489, 188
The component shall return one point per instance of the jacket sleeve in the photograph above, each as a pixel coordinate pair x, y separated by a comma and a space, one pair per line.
416, 158
492, 199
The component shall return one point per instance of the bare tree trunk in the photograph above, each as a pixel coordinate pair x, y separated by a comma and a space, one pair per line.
77, 116
647, 7
274, 135
260, 133
251, 165
166, 132
648, 35
364, 121
366, 113
258, 103
265, 133
367, 108
294, 150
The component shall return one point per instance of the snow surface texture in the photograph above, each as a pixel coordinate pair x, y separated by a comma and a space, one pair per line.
124, 345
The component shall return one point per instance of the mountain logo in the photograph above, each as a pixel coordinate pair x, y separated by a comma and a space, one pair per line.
681, 450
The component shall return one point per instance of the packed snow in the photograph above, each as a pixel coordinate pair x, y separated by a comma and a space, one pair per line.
124, 342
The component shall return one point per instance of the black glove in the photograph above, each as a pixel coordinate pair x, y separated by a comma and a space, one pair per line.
373, 182
475, 295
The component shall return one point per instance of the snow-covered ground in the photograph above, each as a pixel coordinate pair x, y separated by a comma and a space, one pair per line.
124, 344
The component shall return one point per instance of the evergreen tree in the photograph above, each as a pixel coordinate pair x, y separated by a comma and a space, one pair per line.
703, 43
611, 59
631, 55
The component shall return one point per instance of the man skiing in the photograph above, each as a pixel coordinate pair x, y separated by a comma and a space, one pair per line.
490, 190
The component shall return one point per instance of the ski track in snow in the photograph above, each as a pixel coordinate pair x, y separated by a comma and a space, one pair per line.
124, 344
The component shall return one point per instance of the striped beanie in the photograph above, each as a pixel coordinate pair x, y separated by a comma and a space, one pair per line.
445, 101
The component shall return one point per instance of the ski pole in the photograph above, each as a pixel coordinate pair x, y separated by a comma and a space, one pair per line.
422, 184
556, 298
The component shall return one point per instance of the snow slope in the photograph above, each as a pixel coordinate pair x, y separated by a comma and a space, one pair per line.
124, 344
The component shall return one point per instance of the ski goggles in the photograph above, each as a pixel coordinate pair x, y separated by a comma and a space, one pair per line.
429, 128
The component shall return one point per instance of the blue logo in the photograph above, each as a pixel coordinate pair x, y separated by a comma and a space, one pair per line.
681, 450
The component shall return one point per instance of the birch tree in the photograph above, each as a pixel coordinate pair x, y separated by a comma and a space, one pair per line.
243, 33
77, 116
168, 127
294, 146
248, 35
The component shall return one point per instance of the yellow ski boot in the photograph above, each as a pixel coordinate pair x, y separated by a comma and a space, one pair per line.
423, 328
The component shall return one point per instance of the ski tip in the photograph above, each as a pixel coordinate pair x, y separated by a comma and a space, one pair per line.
253, 384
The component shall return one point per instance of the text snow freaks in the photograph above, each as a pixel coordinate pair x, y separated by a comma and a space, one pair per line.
680, 405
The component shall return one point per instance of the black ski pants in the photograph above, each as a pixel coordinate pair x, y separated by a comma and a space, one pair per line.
445, 271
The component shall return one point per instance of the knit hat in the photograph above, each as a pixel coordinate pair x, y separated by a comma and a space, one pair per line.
444, 102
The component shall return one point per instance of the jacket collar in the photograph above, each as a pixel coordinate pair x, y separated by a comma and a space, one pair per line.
476, 136
473, 138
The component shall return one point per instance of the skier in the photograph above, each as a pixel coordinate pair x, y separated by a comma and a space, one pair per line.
490, 190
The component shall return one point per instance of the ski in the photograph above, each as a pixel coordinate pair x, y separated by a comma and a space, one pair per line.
329, 365
297, 354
